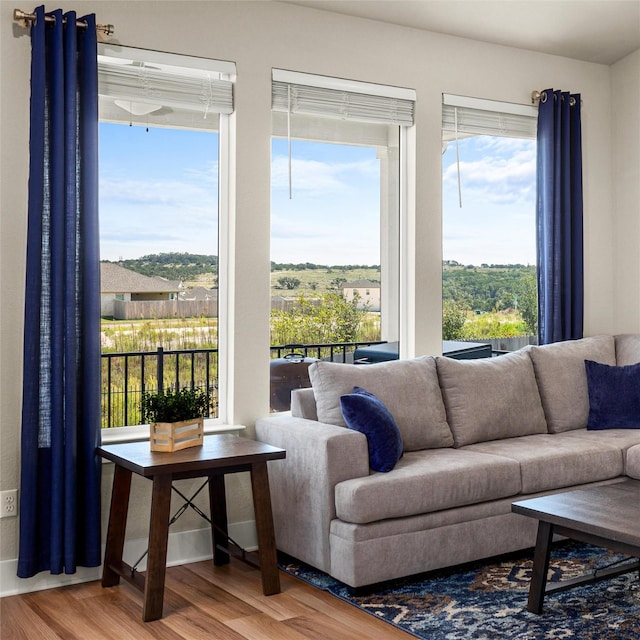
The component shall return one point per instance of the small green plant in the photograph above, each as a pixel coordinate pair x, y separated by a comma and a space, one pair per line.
174, 406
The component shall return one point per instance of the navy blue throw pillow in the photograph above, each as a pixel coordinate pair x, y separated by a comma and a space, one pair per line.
366, 413
614, 396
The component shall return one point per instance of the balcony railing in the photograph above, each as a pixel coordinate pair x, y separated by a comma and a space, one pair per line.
126, 376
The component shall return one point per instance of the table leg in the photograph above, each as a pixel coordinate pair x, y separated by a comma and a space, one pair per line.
540, 567
157, 558
218, 510
117, 524
264, 526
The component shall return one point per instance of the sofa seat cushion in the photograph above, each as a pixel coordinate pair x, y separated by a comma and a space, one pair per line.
422, 522
491, 398
627, 349
562, 378
620, 438
553, 461
426, 481
632, 462
408, 388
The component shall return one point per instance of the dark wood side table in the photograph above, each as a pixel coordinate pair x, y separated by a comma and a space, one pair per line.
219, 455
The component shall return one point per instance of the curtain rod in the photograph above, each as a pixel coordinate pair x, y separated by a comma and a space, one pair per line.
25, 19
541, 96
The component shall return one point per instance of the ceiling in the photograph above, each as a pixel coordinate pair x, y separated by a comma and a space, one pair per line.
601, 31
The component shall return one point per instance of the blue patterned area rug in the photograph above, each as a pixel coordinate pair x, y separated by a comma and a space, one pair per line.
489, 599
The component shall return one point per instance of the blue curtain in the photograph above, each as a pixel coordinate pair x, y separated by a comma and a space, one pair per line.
60, 472
559, 218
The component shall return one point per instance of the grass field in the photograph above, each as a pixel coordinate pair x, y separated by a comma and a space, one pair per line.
319, 280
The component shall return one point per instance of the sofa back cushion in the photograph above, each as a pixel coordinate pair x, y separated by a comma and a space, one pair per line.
562, 379
614, 396
627, 349
303, 404
491, 398
408, 388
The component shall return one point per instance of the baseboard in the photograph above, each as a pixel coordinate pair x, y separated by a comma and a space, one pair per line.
184, 547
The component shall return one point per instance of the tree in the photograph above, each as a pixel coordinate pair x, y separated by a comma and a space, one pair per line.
287, 282
453, 319
528, 301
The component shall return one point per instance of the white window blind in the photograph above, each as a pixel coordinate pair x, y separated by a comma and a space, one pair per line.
147, 82
299, 93
486, 117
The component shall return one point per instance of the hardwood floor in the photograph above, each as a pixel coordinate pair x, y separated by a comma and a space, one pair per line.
201, 602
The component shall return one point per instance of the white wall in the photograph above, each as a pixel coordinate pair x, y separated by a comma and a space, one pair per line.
625, 209
259, 36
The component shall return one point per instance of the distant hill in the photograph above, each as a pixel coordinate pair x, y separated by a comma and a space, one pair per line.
173, 266
487, 287
187, 266
310, 266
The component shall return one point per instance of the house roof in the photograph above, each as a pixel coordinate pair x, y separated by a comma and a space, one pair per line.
117, 279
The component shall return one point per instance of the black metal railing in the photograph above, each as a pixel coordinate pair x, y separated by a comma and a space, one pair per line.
334, 352
127, 376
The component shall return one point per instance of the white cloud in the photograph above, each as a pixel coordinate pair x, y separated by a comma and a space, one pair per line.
173, 192
496, 223
139, 217
505, 175
316, 177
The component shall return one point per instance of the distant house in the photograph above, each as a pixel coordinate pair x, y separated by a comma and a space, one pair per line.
124, 285
198, 294
368, 293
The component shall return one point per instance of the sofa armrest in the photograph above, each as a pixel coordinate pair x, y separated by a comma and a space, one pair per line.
319, 456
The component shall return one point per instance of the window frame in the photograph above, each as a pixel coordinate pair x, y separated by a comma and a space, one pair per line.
397, 258
226, 240
466, 117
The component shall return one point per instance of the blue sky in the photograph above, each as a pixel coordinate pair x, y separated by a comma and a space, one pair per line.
158, 193
333, 215
496, 223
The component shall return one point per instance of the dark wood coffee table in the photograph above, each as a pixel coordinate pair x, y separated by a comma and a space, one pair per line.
606, 516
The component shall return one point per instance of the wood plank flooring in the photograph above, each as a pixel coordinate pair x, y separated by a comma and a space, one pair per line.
201, 602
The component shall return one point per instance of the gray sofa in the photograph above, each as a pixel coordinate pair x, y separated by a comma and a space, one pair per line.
477, 435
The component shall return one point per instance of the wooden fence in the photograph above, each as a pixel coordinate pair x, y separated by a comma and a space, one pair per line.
152, 309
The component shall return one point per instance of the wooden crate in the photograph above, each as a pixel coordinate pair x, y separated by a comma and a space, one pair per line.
173, 436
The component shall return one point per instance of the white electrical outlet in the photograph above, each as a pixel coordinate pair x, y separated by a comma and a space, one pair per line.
8, 503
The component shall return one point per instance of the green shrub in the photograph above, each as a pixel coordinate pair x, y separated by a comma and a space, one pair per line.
329, 318
175, 406
454, 318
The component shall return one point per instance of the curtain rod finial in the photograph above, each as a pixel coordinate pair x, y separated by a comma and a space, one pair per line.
535, 96
21, 18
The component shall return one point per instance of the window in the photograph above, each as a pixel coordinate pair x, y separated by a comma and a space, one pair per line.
164, 122
337, 152
489, 230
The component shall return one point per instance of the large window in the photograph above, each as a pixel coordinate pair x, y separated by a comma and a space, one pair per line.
336, 212
163, 165
489, 230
